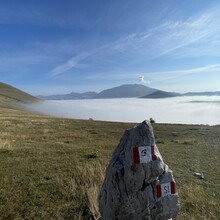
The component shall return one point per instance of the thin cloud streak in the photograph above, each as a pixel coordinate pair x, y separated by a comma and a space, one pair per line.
202, 29
142, 75
172, 36
169, 39
183, 72
69, 64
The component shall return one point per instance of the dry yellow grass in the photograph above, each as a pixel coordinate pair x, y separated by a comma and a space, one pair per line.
53, 168
84, 184
5, 145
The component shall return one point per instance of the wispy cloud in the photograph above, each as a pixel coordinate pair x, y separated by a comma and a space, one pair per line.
183, 74
201, 78
69, 64
195, 31
142, 80
177, 73
157, 75
173, 39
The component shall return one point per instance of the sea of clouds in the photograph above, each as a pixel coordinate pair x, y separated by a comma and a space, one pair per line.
183, 110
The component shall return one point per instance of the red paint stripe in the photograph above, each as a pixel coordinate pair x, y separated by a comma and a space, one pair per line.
158, 190
136, 155
154, 157
173, 187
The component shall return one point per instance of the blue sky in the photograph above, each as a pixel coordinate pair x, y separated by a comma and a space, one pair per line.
55, 47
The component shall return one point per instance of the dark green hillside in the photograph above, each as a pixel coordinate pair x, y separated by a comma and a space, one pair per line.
10, 96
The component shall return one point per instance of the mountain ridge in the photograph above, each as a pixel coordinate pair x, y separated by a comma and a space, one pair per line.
11, 96
122, 91
126, 91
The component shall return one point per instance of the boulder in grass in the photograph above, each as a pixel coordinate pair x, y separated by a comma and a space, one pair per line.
138, 185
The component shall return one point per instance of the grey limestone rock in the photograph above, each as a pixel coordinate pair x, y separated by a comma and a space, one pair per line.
138, 185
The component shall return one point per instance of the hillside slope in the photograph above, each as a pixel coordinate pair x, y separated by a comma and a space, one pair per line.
161, 94
10, 96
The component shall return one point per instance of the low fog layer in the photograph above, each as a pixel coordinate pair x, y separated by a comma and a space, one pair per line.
184, 110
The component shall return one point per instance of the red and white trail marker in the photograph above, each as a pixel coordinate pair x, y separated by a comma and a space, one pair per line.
165, 189
144, 154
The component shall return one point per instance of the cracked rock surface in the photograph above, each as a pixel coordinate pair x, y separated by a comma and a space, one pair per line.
138, 185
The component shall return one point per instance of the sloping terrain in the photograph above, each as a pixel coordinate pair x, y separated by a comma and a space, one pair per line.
161, 94
11, 97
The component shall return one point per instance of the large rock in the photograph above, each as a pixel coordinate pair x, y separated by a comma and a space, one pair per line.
138, 185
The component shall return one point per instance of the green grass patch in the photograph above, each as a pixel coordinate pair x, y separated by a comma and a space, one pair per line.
52, 168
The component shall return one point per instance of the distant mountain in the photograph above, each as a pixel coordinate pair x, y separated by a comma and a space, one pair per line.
161, 94
126, 91
72, 95
123, 91
217, 93
10, 96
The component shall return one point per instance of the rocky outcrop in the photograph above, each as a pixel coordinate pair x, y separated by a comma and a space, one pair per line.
138, 185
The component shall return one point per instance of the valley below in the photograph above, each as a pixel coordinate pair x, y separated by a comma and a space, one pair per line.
176, 110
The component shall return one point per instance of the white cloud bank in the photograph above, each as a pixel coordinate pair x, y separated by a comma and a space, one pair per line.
172, 110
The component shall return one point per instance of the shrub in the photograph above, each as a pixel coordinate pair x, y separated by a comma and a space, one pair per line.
93, 155
152, 121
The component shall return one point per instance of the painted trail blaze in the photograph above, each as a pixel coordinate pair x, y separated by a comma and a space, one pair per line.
165, 189
144, 154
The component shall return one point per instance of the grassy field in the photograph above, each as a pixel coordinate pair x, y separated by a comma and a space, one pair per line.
52, 168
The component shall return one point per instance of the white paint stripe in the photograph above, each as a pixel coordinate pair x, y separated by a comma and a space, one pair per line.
145, 154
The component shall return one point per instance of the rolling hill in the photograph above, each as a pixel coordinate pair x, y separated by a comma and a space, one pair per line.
161, 94
10, 97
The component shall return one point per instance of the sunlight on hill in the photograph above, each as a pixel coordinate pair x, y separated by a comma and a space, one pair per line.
11, 97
